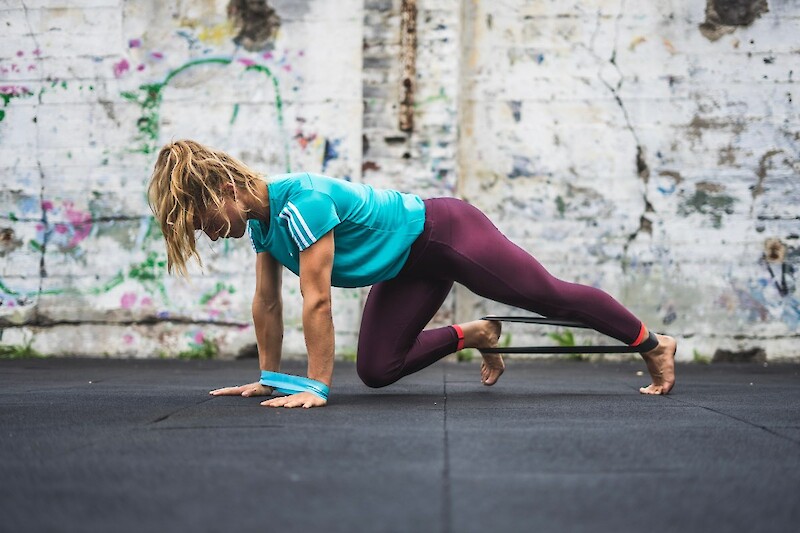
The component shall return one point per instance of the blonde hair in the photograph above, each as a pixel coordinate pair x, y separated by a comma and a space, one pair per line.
188, 178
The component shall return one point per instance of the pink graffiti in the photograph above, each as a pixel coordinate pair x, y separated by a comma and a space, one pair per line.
134, 43
199, 337
81, 224
121, 68
47, 205
15, 90
127, 338
246, 62
61, 229
20, 53
128, 300
146, 302
140, 68
156, 55
37, 52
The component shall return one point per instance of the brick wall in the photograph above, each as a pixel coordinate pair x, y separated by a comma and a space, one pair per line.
647, 149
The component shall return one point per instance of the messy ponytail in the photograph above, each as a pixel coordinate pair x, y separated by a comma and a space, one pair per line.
189, 178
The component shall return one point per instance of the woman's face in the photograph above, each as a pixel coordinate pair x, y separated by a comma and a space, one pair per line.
213, 221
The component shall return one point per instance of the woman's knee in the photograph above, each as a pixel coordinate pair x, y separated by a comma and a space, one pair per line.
374, 376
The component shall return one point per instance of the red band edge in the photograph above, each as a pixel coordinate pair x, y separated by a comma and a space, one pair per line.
460, 333
643, 334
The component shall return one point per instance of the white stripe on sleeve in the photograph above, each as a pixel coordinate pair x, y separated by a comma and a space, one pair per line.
297, 236
299, 218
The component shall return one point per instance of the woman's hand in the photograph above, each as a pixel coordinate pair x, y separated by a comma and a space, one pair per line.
301, 399
251, 389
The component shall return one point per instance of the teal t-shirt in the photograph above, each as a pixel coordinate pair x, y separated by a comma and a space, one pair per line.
373, 229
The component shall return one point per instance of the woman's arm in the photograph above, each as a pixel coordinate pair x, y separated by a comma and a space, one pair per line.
268, 312
268, 324
316, 264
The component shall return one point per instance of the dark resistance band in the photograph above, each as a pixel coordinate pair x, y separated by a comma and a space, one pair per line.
644, 346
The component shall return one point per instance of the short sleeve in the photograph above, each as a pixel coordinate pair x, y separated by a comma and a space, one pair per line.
256, 233
309, 215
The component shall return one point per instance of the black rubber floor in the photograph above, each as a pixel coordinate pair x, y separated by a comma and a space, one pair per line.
109, 445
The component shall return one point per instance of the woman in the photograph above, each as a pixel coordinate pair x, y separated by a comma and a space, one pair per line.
334, 233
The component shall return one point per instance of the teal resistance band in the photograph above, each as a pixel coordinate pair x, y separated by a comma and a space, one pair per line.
288, 384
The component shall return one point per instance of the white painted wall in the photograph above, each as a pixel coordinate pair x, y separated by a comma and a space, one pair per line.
520, 109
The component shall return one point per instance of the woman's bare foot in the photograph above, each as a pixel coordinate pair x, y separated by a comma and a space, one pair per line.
485, 334
661, 365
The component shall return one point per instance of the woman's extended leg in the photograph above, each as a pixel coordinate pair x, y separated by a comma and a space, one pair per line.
463, 245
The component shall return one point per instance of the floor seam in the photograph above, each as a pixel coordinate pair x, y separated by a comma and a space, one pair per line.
446, 496
752, 424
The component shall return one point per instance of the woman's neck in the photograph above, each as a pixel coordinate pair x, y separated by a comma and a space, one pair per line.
258, 206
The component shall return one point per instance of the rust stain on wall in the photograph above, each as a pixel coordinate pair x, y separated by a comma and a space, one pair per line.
408, 58
8, 241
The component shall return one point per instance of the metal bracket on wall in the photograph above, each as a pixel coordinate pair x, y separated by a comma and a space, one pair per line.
553, 349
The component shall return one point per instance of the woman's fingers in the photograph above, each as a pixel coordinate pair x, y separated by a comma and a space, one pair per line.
227, 391
251, 389
302, 399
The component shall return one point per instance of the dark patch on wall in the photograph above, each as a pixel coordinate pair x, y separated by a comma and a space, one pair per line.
369, 165
761, 172
516, 109
256, 22
723, 16
248, 351
8, 241
753, 355
708, 203
641, 165
672, 174
727, 156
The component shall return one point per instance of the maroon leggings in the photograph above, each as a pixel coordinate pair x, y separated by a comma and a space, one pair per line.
459, 244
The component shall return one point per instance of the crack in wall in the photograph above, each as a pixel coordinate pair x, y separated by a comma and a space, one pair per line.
642, 169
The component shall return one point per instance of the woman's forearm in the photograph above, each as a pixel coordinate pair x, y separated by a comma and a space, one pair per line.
268, 323
319, 334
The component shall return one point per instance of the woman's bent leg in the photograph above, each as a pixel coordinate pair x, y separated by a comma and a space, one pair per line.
392, 343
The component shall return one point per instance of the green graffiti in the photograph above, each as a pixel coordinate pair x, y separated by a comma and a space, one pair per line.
105, 287
9, 93
561, 206
207, 297
116, 281
441, 96
148, 273
153, 230
147, 269
235, 113
704, 203
150, 96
